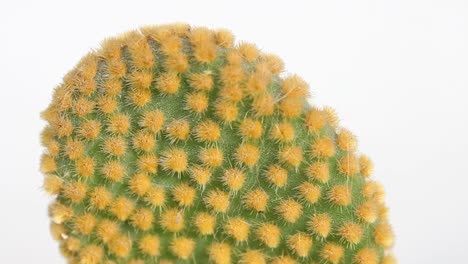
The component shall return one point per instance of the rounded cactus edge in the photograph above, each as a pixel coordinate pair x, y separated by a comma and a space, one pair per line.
175, 144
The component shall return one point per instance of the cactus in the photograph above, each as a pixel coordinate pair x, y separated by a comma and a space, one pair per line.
174, 144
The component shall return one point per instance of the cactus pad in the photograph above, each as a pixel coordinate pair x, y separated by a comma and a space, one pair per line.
174, 144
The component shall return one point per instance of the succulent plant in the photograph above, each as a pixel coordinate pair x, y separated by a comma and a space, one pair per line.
174, 144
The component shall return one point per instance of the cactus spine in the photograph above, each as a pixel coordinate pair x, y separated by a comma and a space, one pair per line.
174, 144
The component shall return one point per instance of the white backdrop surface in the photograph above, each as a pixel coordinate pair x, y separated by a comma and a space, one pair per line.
396, 72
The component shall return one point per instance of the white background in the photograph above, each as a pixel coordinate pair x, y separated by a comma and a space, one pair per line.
396, 71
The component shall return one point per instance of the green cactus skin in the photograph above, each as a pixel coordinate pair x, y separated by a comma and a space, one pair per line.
173, 144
